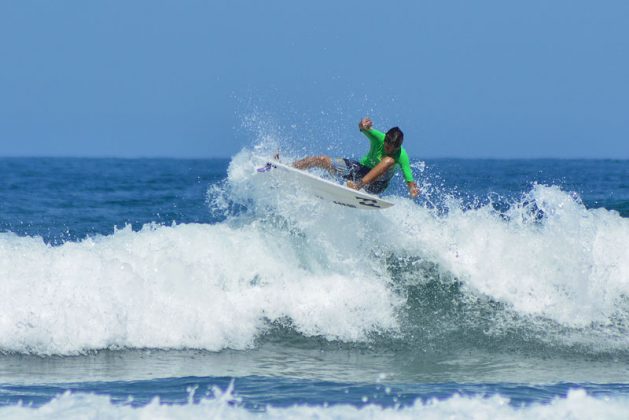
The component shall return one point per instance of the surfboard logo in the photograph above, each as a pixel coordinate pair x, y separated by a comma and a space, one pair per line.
369, 202
344, 204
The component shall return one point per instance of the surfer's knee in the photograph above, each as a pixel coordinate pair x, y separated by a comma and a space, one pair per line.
325, 161
321, 162
314, 161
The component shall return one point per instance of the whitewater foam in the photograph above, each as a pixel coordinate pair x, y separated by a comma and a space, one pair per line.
181, 286
572, 266
577, 405
280, 257
547, 257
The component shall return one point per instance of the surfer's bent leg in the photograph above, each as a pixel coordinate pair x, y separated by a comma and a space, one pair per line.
314, 162
347, 169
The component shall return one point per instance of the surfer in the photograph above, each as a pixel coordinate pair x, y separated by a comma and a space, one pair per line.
374, 171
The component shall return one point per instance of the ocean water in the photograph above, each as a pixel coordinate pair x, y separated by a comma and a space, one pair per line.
200, 288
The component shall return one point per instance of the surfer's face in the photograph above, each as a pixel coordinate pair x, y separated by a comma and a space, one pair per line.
389, 148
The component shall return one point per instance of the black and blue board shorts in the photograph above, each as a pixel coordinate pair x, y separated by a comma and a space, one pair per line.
353, 170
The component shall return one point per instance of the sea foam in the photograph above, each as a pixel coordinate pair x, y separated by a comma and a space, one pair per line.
577, 405
184, 286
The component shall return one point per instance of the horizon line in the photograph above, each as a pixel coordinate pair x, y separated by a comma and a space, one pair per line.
229, 157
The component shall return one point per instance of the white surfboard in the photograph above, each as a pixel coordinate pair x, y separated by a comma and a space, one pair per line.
329, 191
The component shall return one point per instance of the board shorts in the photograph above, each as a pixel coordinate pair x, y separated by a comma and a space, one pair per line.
354, 171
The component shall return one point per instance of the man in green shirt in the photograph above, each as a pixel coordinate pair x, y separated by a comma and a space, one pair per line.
374, 171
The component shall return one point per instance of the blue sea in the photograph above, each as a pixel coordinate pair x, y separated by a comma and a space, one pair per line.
142, 288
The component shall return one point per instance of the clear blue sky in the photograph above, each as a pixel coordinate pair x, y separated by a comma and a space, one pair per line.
177, 78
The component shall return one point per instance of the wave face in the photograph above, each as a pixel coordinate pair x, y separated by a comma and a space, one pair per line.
543, 272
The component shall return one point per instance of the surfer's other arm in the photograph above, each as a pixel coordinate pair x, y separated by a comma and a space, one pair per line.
385, 164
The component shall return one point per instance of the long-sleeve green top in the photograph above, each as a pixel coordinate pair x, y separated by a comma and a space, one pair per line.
376, 152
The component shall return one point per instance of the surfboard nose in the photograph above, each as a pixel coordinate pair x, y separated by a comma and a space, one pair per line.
265, 168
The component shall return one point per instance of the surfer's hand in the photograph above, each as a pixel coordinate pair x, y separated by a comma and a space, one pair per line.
365, 124
413, 190
353, 185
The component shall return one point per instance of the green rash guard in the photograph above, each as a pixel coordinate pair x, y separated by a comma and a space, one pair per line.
376, 152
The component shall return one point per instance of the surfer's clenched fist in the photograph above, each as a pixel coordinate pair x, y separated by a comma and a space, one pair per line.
365, 124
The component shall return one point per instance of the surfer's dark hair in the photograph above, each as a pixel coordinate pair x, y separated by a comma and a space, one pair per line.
394, 137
